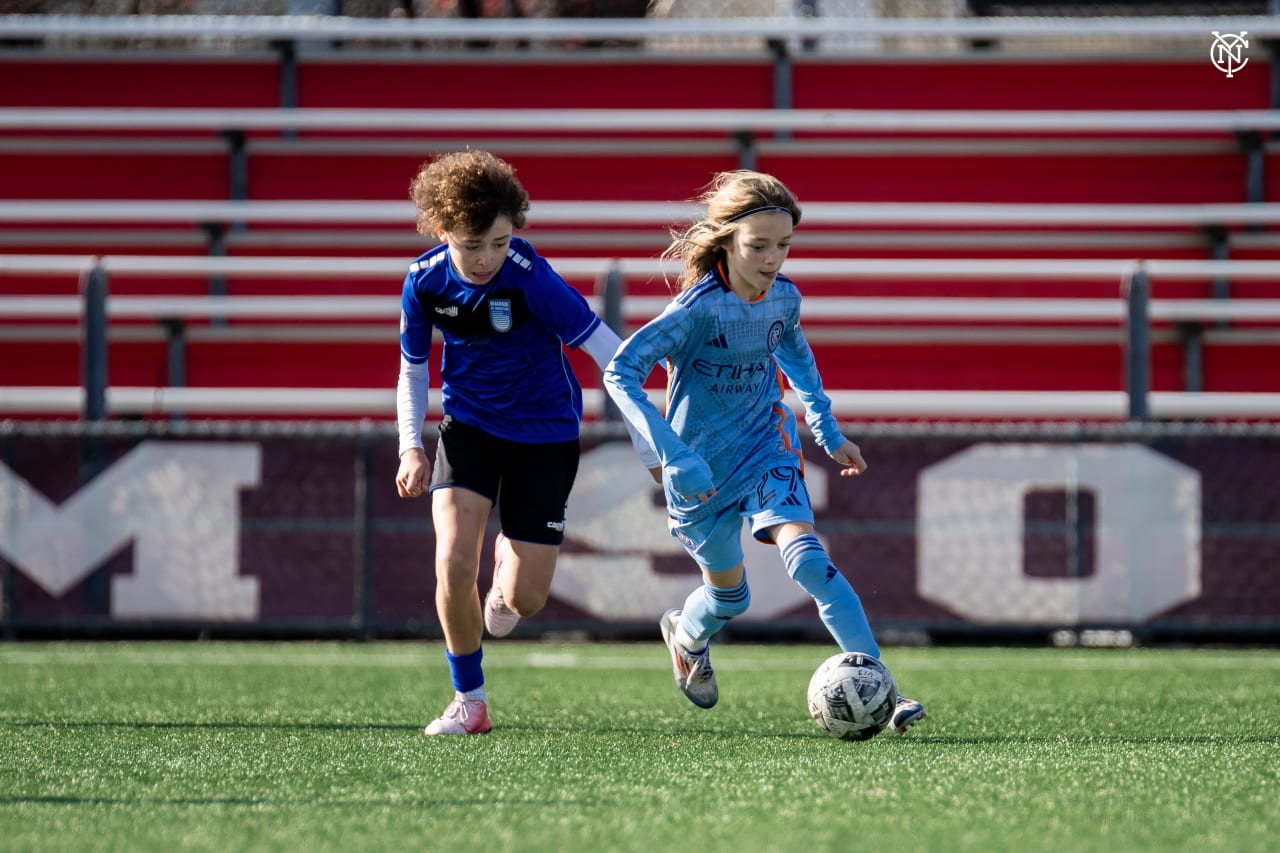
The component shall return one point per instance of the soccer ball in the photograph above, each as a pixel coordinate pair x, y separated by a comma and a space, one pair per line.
852, 696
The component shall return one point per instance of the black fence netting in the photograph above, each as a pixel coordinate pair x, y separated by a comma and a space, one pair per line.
1166, 531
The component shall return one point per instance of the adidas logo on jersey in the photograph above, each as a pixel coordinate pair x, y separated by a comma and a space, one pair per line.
719, 342
447, 310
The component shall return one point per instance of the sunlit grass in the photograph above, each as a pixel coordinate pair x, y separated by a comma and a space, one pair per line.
318, 746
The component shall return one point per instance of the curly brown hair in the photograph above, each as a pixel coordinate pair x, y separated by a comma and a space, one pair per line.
464, 192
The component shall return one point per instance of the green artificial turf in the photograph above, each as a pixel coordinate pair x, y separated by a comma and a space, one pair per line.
319, 746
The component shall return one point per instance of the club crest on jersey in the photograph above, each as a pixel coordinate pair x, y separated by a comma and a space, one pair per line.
500, 314
775, 335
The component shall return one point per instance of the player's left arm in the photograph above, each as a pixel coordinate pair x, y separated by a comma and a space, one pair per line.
795, 357
664, 337
565, 311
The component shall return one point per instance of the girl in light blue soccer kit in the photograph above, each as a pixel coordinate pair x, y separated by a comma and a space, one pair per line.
728, 445
512, 408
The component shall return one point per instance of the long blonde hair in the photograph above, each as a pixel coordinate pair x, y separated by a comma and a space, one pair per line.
730, 198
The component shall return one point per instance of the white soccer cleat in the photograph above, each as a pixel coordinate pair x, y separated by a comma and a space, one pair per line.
499, 619
694, 676
462, 717
906, 714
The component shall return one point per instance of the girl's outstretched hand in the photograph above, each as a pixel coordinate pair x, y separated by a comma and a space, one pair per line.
850, 459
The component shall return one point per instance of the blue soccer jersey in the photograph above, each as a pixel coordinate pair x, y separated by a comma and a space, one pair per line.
503, 368
725, 360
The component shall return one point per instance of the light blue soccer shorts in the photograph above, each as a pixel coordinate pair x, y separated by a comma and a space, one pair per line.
714, 537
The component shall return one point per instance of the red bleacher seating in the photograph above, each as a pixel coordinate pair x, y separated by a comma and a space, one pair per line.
1021, 83
359, 174
133, 80
1204, 168
81, 174
1153, 177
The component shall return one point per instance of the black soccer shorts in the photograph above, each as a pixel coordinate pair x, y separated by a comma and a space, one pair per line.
530, 483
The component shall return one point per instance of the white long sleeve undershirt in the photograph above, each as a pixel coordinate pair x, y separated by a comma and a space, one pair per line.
411, 403
412, 395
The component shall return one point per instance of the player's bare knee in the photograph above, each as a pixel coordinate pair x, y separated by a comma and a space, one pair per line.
527, 602
455, 572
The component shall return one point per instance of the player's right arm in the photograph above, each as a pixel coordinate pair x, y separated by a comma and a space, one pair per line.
412, 394
411, 405
663, 337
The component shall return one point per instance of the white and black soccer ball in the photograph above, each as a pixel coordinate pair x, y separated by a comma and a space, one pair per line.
852, 696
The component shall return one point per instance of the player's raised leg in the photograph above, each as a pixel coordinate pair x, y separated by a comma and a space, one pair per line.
499, 619
522, 577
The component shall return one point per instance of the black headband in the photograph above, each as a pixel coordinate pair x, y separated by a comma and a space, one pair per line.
769, 208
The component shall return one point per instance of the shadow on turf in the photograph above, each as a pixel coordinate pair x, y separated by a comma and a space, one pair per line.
662, 731
513, 728
118, 724
263, 801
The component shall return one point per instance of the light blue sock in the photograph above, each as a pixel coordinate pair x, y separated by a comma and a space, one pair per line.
838, 605
707, 609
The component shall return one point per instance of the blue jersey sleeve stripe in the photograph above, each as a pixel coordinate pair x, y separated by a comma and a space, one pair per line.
519, 251
586, 333
428, 261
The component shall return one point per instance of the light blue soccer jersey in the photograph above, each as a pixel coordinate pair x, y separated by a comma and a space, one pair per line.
725, 360
503, 369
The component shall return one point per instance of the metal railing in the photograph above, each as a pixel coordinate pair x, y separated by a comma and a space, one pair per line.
731, 122
659, 213
542, 31
1132, 308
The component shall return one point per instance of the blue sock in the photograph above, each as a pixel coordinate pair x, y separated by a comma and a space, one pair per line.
838, 605
465, 670
708, 608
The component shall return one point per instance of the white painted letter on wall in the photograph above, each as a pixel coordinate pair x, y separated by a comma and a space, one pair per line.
970, 533
178, 502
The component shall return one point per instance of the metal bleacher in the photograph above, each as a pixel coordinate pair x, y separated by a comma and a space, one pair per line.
1008, 234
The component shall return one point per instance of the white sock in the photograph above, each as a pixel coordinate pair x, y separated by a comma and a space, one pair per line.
689, 643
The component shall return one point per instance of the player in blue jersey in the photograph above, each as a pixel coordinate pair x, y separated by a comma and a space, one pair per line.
728, 444
512, 407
